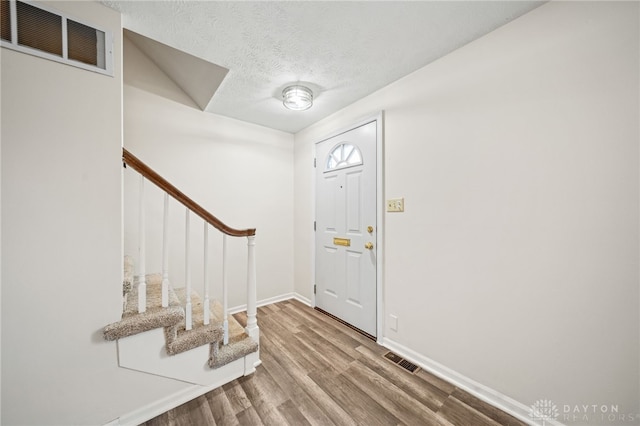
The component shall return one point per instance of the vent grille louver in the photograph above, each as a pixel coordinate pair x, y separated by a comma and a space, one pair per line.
42, 31
39, 29
5, 20
84, 44
401, 362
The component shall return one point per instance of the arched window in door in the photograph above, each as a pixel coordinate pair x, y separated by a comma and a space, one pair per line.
342, 156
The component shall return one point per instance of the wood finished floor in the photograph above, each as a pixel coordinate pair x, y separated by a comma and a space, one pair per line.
316, 371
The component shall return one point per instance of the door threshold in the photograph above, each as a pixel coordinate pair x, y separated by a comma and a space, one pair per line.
343, 322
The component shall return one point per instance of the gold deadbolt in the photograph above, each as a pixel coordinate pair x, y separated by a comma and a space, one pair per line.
369, 246
370, 229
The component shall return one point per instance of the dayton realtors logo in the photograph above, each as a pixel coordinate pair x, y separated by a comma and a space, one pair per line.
544, 410
597, 414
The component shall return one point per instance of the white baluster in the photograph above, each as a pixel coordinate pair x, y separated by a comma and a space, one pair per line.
165, 253
142, 275
225, 307
187, 272
206, 311
252, 322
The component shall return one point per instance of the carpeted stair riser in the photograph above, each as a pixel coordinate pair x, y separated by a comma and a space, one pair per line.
149, 320
220, 355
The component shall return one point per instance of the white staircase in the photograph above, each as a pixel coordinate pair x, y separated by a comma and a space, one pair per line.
171, 332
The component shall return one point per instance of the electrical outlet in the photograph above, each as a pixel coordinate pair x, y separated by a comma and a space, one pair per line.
395, 205
393, 322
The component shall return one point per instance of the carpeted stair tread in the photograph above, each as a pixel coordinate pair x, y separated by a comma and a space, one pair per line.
236, 330
234, 350
240, 344
154, 296
135, 324
197, 307
155, 316
189, 339
179, 339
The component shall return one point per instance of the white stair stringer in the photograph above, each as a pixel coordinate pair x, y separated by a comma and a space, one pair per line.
146, 352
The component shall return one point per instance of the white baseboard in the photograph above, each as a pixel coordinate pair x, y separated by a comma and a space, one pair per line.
263, 302
271, 300
160, 406
486, 394
300, 298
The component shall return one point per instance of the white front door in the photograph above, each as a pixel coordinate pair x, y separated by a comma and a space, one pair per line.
346, 243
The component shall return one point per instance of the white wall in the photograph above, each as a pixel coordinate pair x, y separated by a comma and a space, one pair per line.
241, 173
61, 241
516, 261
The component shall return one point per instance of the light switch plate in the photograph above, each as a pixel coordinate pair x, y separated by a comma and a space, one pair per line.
395, 205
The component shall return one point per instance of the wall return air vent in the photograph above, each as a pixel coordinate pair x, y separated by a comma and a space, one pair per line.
44, 32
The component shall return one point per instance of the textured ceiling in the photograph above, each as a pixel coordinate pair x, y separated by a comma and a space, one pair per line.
342, 50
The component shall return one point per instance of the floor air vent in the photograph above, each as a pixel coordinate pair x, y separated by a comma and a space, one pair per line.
401, 362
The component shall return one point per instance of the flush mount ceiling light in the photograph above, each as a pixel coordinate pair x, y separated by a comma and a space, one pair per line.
297, 98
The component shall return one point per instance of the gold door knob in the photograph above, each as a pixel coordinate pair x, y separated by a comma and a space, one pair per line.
370, 229
369, 246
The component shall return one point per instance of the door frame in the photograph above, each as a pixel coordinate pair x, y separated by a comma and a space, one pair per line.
379, 120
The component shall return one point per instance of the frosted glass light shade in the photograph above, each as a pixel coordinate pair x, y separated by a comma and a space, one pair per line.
297, 98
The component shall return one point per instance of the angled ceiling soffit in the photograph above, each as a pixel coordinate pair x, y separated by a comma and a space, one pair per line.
198, 78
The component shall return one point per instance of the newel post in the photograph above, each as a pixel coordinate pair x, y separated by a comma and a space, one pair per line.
252, 322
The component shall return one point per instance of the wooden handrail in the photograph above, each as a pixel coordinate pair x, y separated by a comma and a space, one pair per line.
131, 160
